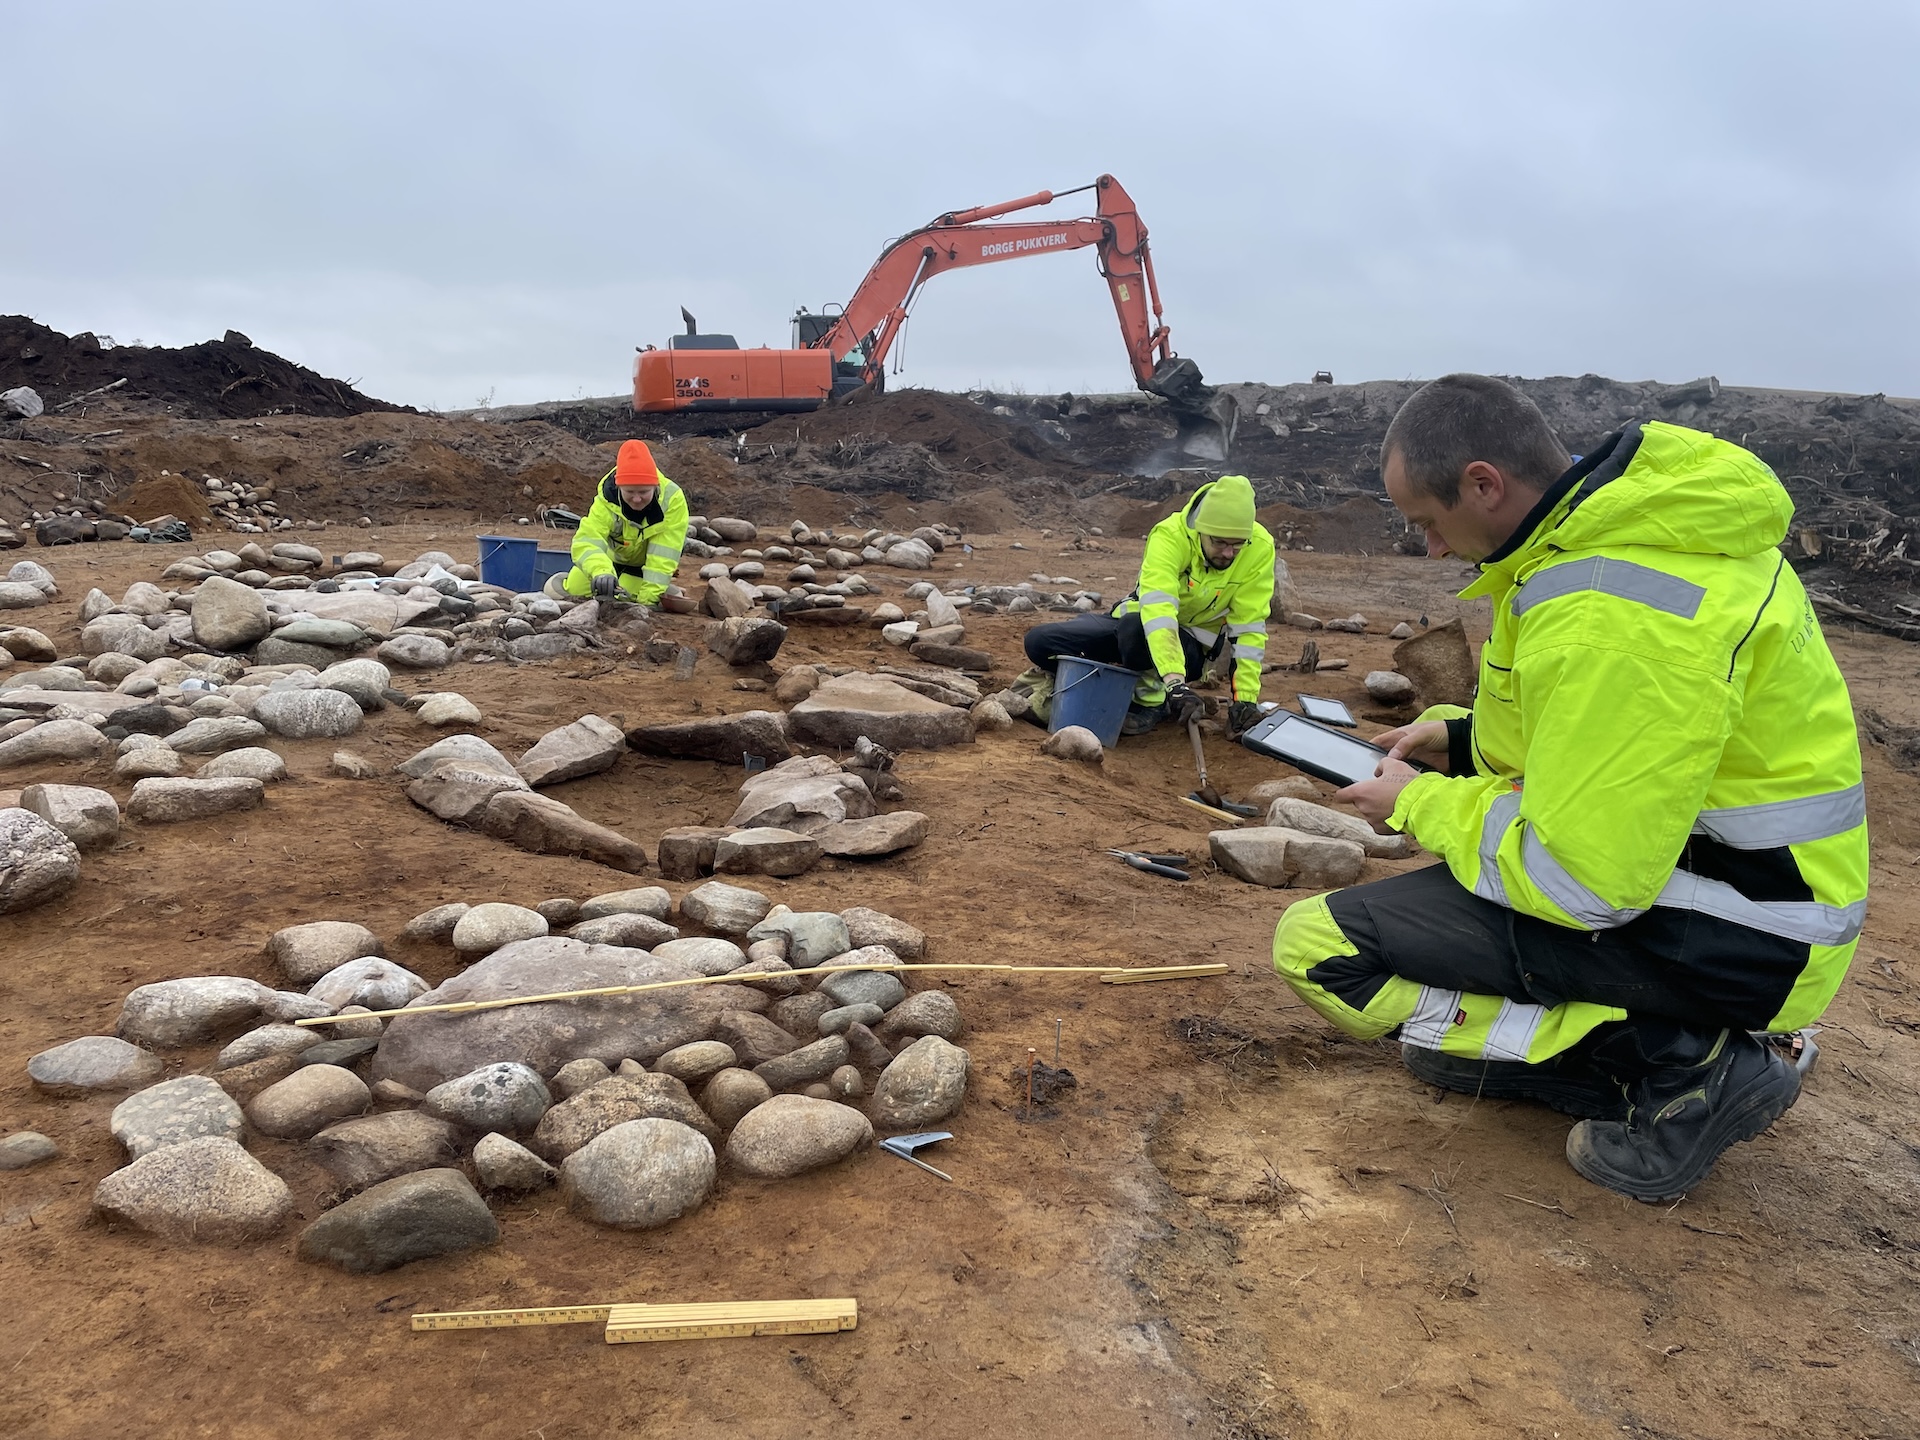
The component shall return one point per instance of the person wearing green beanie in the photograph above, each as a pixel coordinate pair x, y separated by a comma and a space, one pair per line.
1205, 589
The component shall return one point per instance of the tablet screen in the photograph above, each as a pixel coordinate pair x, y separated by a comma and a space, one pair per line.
1335, 757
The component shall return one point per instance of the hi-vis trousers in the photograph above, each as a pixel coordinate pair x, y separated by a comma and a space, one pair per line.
1462, 975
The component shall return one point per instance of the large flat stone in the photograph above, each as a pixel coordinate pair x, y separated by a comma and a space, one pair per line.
546, 826
586, 747
369, 609
848, 707
422, 1051
765, 851
725, 738
161, 801
1275, 857
874, 836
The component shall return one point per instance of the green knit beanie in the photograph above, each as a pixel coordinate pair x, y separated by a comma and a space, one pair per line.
1226, 509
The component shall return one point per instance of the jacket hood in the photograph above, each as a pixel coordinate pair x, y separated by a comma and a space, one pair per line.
1661, 486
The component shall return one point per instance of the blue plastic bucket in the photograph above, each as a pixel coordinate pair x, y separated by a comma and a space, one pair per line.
1087, 693
507, 561
547, 564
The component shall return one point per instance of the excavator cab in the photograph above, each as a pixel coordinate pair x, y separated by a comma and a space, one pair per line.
810, 330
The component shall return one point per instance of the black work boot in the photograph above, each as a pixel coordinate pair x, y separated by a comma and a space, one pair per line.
1569, 1083
1684, 1115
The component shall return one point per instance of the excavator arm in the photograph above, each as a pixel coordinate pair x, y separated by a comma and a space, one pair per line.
962, 238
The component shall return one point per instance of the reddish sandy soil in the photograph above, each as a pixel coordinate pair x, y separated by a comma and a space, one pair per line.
1238, 1224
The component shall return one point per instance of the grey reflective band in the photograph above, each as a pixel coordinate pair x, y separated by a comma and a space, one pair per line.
594, 542
1432, 1018
1249, 652
1160, 622
1258, 627
665, 552
1510, 1036
1622, 579
1551, 878
1500, 814
1807, 921
1157, 597
1786, 822
656, 577
1205, 637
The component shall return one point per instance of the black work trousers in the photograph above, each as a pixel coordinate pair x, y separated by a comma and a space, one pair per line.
1427, 928
1108, 640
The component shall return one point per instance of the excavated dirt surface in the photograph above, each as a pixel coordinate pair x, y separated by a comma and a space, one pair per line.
1234, 1224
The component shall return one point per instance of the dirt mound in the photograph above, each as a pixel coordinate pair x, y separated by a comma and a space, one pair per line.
227, 378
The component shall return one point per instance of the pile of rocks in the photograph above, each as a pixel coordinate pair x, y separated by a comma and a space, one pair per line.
793, 815
634, 1105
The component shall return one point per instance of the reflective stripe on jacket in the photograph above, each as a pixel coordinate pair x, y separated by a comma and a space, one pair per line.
1178, 592
1661, 737
609, 541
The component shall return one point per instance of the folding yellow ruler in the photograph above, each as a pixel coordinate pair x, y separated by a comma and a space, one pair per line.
627, 1324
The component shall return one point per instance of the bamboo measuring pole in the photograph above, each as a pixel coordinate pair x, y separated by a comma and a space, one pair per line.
1109, 975
1225, 815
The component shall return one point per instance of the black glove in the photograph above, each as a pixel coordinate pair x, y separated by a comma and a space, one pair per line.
1242, 716
605, 587
1183, 705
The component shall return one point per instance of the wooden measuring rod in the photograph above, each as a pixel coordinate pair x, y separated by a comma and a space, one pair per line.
1109, 975
628, 1324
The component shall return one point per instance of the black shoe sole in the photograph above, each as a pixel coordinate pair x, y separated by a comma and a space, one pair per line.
1494, 1080
1749, 1114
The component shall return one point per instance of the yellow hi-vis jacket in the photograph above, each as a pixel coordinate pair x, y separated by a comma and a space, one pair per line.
645, 554
1178, 592
1661, 738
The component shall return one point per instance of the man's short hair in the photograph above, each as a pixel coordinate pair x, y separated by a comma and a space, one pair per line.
1449, 423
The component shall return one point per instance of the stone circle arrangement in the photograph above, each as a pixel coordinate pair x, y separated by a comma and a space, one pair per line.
634, 1105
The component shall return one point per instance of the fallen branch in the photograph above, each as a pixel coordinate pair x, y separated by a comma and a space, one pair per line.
1899, 630
1109, 975
69, 404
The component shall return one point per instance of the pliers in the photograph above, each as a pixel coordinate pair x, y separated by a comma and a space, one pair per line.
1171, 866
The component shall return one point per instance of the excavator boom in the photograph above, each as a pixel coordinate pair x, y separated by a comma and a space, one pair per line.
958, 239
697, 374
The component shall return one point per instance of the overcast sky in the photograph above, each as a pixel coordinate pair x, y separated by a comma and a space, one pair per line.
450, 202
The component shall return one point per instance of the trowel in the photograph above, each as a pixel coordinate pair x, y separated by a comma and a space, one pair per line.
1206, 794
905, 1145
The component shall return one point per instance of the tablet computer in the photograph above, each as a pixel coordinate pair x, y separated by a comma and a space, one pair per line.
1323, 752
1327, 712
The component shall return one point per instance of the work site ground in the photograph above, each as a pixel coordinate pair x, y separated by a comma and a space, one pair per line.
1235, 1223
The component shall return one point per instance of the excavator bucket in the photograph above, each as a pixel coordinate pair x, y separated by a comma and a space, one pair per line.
1206, 416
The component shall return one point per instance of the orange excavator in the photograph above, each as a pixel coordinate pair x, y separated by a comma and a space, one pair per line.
846, 349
